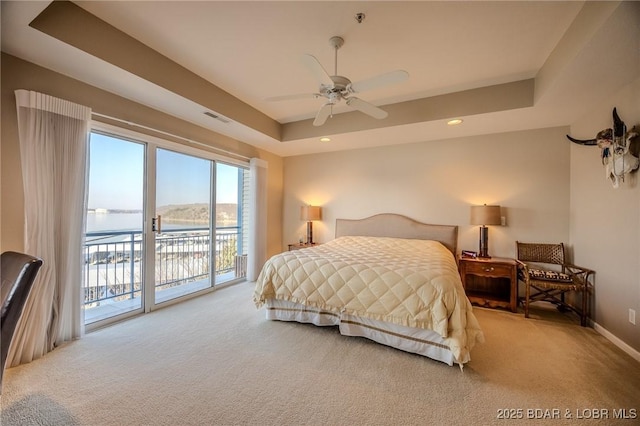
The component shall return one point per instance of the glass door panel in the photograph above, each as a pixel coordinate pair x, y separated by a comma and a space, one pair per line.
231, 260
113, 250
183, 226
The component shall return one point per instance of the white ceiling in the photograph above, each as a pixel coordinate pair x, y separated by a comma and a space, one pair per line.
252, 50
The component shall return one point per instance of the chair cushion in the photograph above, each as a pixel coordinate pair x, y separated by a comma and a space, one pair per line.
542, 274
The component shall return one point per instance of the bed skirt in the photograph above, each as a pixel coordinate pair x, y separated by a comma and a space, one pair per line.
415, 340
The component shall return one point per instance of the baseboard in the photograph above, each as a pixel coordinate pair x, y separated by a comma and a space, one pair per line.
616, 341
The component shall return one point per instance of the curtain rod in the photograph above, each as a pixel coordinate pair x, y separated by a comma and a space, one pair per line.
130, 123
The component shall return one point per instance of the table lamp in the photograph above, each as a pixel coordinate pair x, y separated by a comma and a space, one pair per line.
483, 216
310, 213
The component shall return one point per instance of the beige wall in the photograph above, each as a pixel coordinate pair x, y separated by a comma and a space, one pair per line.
19, 74
527, 173
605, 222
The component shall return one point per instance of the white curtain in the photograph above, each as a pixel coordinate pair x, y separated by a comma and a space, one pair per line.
54, 136
258, 218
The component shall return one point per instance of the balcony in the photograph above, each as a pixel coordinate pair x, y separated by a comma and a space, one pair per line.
113, 277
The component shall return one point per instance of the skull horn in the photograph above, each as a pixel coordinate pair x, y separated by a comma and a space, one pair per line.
583, 141
618, 125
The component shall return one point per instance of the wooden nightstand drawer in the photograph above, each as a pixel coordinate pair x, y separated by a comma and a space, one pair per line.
489, 269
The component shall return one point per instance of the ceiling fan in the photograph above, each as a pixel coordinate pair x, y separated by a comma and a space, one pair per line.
336, 87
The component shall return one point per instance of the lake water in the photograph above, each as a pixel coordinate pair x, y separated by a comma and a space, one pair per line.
114, 222
100, 222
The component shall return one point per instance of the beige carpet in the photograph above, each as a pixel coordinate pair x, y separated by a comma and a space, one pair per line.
216, 360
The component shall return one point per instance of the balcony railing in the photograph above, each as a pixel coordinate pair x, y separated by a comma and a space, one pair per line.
113, 268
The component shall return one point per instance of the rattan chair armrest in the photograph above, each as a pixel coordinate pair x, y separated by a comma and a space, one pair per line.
580, 273
579, 268
522, 266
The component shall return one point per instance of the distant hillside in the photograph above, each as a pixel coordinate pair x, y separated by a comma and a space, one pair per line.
226, 214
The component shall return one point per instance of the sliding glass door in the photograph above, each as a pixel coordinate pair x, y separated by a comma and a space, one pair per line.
161, 224
183, 225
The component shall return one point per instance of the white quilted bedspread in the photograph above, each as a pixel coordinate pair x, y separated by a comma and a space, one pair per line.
410, 282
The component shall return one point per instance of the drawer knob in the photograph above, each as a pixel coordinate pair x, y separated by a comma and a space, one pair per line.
488, 269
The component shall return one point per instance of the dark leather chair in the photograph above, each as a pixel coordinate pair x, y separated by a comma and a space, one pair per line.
18, 274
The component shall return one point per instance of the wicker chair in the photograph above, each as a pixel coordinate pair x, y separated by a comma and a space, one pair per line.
544, 281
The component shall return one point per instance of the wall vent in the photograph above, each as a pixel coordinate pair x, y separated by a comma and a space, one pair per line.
217, 117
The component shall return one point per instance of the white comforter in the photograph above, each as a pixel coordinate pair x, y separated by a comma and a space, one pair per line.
409, 282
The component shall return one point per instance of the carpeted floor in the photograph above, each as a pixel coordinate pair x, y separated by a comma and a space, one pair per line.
216, 360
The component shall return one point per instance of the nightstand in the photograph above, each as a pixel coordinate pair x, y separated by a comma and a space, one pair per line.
490, 282
298, 246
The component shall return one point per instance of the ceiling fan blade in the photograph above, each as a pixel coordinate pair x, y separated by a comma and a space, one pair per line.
293, 97
317, 70
323, 114
381, 80
367, 108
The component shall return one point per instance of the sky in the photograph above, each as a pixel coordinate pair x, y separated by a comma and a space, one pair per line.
116, 176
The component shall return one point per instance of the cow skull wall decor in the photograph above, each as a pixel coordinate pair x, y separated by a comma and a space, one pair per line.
619, 149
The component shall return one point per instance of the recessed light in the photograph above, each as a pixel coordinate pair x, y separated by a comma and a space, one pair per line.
325, 139
454, 122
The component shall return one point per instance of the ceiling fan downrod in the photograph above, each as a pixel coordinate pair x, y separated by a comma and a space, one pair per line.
336, 42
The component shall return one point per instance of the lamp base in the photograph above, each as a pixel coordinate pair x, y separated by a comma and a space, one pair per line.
309, 232
483, 251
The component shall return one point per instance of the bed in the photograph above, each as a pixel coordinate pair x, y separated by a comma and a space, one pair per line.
388, 278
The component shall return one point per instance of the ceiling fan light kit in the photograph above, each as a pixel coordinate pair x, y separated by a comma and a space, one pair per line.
335, 88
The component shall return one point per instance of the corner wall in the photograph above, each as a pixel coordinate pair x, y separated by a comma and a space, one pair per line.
605, 222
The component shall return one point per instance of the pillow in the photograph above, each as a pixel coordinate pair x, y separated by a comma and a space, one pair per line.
541, 274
